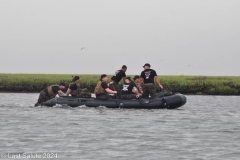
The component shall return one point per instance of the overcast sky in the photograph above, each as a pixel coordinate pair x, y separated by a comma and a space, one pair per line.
177, 37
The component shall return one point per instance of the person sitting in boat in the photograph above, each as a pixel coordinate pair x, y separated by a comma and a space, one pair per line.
102, 89
75, 91
116, 78
74, 87
128, 89
50, 92
147, 78
137, 85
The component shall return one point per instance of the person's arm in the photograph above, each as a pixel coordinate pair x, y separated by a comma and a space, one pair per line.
68, 91
157, 81
61, 93
135, 91
110, 91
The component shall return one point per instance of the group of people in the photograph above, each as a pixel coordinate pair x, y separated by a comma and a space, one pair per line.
140, 86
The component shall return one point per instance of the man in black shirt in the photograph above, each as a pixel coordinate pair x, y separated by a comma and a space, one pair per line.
50, 92
102, 89
147, 78
128, 89
116, 78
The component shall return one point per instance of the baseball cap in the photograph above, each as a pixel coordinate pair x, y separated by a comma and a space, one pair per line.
147, 64
75, 78
102, 76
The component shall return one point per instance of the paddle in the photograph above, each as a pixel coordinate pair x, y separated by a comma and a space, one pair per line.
142, 100
120, 103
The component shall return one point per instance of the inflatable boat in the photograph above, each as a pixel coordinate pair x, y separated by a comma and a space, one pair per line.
170, 102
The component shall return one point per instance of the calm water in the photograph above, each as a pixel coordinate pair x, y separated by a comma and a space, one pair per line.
207, 127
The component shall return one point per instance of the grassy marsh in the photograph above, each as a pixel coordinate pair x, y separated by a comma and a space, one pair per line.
202, 85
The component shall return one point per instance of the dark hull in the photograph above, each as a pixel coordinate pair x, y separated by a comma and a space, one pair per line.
169, 102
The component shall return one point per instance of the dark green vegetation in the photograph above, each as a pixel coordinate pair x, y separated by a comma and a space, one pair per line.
205, 85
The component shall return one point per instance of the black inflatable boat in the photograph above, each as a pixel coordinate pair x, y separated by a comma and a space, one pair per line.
169, 102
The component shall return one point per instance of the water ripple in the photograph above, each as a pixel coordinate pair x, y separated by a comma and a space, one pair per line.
207, 127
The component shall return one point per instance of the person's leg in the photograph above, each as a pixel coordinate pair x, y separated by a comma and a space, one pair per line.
152, 90
42, 98
145, 91
102, 97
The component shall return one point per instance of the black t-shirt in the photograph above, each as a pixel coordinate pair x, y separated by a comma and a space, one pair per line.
119, 74
148, 75
126, 88
104, 85
73, 86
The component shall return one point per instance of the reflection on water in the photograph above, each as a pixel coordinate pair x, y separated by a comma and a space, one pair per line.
207, 127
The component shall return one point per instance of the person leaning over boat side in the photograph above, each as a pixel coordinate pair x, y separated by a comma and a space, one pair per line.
116, 78
137, 85
50, 92
102, 89
128, 89
74, 87
147, 78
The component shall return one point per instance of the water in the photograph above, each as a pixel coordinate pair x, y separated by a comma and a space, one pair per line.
207, 127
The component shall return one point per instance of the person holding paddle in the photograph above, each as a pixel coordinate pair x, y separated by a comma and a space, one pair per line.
128, 89
148, 76
102, 89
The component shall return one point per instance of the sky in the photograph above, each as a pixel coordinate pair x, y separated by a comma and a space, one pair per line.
177, 37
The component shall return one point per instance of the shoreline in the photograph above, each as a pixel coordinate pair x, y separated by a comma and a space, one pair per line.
187, 85
9, 92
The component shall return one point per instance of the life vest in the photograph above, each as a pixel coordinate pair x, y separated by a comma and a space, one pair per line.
77, 91
99, 90
51, 94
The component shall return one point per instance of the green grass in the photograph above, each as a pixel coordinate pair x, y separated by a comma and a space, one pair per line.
205, 85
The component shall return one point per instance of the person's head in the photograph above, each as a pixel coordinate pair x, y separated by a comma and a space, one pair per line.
124, 68
127, 80
103, 78
75, 79
136, 79
147, 66
62, 85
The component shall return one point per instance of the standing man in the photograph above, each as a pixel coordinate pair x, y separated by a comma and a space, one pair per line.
147, 78
116, 78
50, 92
